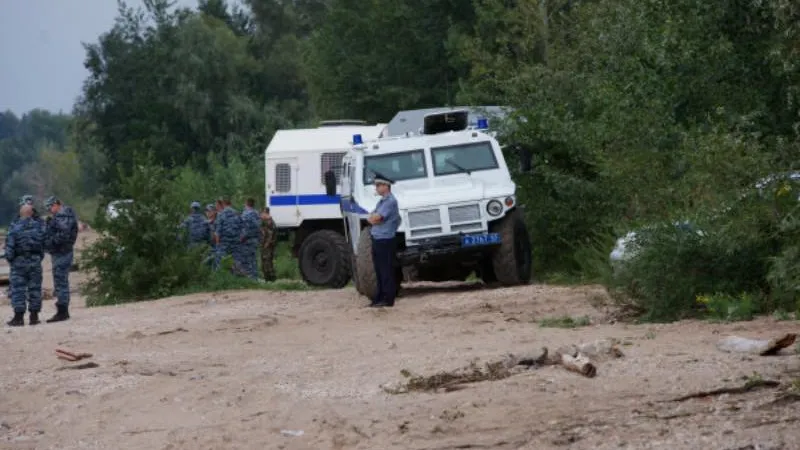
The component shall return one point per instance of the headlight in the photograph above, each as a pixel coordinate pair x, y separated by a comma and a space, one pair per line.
494, 208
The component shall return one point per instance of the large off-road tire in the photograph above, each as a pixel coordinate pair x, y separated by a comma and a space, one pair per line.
325, 259
512, 260
364, 276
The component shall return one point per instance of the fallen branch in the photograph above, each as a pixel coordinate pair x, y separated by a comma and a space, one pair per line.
176, 330
761, 347
573, 358
86, 365
71, 356
749, 386
785, 399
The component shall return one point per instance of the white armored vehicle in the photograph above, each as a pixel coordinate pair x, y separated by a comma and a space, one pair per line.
457, 203
457, 200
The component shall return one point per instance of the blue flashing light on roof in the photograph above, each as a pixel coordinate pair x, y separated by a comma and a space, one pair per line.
357, 140
483, 124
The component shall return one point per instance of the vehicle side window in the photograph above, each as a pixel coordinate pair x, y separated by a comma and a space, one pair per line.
331, 161
283, 177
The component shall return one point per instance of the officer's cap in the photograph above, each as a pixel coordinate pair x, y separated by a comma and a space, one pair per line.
211, 207
195, 205
383, 180
26, 199
52, 200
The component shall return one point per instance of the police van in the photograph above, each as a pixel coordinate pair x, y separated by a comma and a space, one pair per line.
457, 201
299, 164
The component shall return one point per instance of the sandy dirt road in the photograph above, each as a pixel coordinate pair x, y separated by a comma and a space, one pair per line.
251, 370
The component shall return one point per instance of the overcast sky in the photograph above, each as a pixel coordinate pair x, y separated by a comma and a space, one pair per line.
41, 56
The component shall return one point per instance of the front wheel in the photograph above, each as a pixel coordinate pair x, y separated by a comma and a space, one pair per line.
512, 260
325, 259
364, 276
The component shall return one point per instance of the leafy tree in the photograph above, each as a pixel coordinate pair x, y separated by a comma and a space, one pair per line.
181, 83
369, 60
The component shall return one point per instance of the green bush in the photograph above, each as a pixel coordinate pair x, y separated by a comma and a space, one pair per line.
744, 256
729, 308
138, 255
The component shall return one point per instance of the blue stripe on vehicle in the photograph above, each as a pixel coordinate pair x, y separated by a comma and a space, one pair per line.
347, 204
304, 200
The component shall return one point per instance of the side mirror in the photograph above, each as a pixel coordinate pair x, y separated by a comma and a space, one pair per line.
330, 183
525, 159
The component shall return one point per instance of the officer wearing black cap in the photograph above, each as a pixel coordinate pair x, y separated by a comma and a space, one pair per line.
385, 220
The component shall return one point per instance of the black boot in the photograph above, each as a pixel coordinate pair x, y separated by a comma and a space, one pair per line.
34, 318
17, 321
61, 315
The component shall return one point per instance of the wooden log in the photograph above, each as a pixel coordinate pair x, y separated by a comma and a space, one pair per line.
761, 347
579, 363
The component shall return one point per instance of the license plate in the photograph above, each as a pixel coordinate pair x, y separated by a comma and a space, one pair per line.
476, 240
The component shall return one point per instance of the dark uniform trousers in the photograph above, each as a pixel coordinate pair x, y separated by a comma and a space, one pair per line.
383, 253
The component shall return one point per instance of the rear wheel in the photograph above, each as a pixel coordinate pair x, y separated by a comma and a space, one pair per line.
512, 260
325, 259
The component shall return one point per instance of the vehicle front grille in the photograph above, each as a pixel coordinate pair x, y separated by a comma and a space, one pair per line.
466, 213
422, 219
428, 223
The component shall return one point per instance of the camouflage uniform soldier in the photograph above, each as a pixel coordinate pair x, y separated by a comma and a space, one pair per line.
228, 233
24, 251
269, 237
196, 227
26, 199
62, 232
251, 234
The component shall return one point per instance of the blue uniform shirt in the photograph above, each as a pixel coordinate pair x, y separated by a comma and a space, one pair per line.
25, 239
228, 226
251, 225
62, 231
387, 208
196, 228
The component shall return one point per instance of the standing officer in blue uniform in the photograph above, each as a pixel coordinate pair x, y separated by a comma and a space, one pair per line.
25, 251
26, 199
228, 234
60, 236
196, 227
385, 220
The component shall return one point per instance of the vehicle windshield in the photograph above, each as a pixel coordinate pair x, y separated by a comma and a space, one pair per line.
395, 166
462, 158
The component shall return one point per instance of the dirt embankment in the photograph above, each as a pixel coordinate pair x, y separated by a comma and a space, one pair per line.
297, 370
